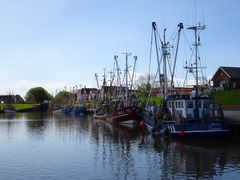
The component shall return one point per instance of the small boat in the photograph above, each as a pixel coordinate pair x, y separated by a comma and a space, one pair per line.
9, 111
99, 116
101, 112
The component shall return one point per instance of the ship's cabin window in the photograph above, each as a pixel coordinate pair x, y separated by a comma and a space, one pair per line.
169, 104
181, 104
206, 104
189, 104
199, 104
172, 104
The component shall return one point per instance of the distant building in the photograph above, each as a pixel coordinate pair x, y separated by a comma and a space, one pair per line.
176, 91
85, 94
226, 78
17, 99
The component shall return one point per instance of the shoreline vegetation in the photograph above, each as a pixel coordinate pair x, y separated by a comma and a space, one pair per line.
229, 99
26, 107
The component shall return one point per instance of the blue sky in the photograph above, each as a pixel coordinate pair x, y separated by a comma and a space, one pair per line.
58, 43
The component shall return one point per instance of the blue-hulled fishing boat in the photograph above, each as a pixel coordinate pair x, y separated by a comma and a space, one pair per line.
184, 115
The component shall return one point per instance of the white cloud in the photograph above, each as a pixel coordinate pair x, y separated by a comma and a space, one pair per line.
23, 86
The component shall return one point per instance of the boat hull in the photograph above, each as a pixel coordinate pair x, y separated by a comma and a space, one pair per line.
190, 129
128, 115
101, 117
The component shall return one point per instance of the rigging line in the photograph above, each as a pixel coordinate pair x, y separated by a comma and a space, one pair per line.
185, 37
169, 66
185, 79
158, 34
150, 57
203, 76
201, 66
188, 65
173, 35
151, 90
158, 42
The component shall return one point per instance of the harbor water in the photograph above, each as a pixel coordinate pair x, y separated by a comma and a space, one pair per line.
44, 146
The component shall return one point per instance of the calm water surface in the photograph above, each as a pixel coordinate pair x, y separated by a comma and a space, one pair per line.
41, 146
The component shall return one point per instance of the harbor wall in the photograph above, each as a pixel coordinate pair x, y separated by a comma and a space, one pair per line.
232, 114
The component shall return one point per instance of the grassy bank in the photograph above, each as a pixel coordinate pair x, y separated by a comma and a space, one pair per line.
227, 97
18, 107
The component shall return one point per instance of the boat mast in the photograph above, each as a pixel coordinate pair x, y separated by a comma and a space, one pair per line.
118, 73
154, 26
118, 86
135, 60
104, 85
196, 44
126, 74
96, 76
180, 25
165, 54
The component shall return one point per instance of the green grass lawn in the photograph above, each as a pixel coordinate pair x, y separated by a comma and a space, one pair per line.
227, 97
19, 106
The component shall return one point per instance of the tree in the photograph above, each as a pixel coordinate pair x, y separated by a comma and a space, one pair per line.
143, 88
37, 95
63, 97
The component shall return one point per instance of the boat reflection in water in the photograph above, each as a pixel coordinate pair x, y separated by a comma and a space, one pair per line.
196, 158
42, 146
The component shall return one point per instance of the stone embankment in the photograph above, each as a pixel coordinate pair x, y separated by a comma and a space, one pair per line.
232, 114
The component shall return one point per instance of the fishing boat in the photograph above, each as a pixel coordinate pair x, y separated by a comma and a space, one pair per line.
184, 115
127, 111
